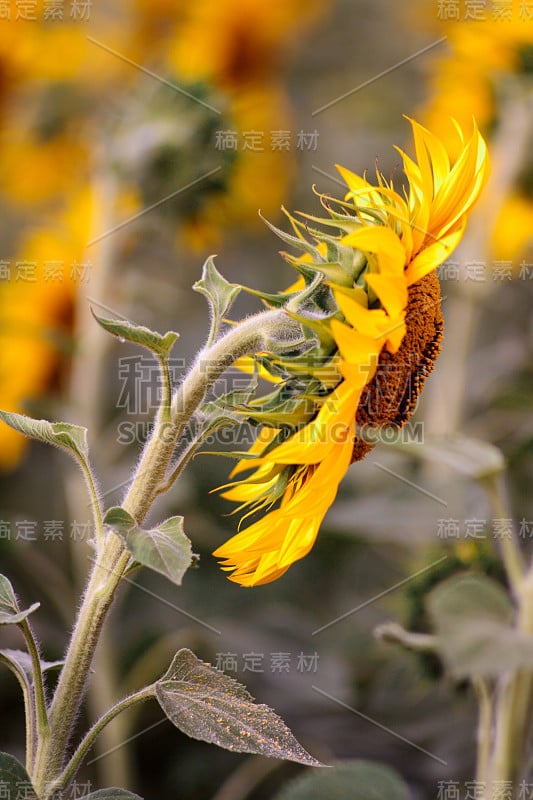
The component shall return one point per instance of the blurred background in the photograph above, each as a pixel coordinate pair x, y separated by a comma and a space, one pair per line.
135, 140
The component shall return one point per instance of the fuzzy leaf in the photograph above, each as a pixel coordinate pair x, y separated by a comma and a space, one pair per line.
71, 438
348, 780
206, 704
21, 661
471, 457
14, 779
219, 292
165, 549
119, 519
15, 661
159, 344
473, 616
10, 612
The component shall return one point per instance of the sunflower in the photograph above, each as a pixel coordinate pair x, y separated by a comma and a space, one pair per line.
52, 109
496, 54
385, 324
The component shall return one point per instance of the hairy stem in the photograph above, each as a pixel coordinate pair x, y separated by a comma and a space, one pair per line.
85, 745
113, 559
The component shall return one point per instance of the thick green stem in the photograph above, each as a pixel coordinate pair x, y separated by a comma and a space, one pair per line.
87, 390
112, 560
103, 582
87, 742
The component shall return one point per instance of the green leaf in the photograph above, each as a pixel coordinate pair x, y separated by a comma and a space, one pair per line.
348, 780
138, 334
71, 438
206, 704
473, 616
112, 794
21, 663
14, 779
165, 549
471, 457
17, 665
119, 519
10, 612
219, 292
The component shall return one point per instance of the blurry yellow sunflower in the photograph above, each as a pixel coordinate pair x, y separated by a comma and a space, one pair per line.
239, 42
388, 324
55, 83
240, 47
496, 55
512, 237
36, 308
45, 157
489, 52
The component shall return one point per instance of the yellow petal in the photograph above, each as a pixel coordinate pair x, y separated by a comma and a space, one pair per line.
430, 258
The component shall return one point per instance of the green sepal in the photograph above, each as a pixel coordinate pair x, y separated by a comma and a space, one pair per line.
295, 241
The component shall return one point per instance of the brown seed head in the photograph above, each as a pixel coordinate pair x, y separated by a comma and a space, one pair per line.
391, 396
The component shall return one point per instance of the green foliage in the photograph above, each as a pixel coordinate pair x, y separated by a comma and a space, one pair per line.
473, 619
14, 779
165, 549
205, 704
71, 438
10, 612
471, 457
348, 780
138, 334
21, 664
479, 558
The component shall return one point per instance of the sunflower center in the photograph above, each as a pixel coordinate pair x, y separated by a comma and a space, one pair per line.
391, 396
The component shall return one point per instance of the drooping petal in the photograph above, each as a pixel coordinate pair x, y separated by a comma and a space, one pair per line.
265, 550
